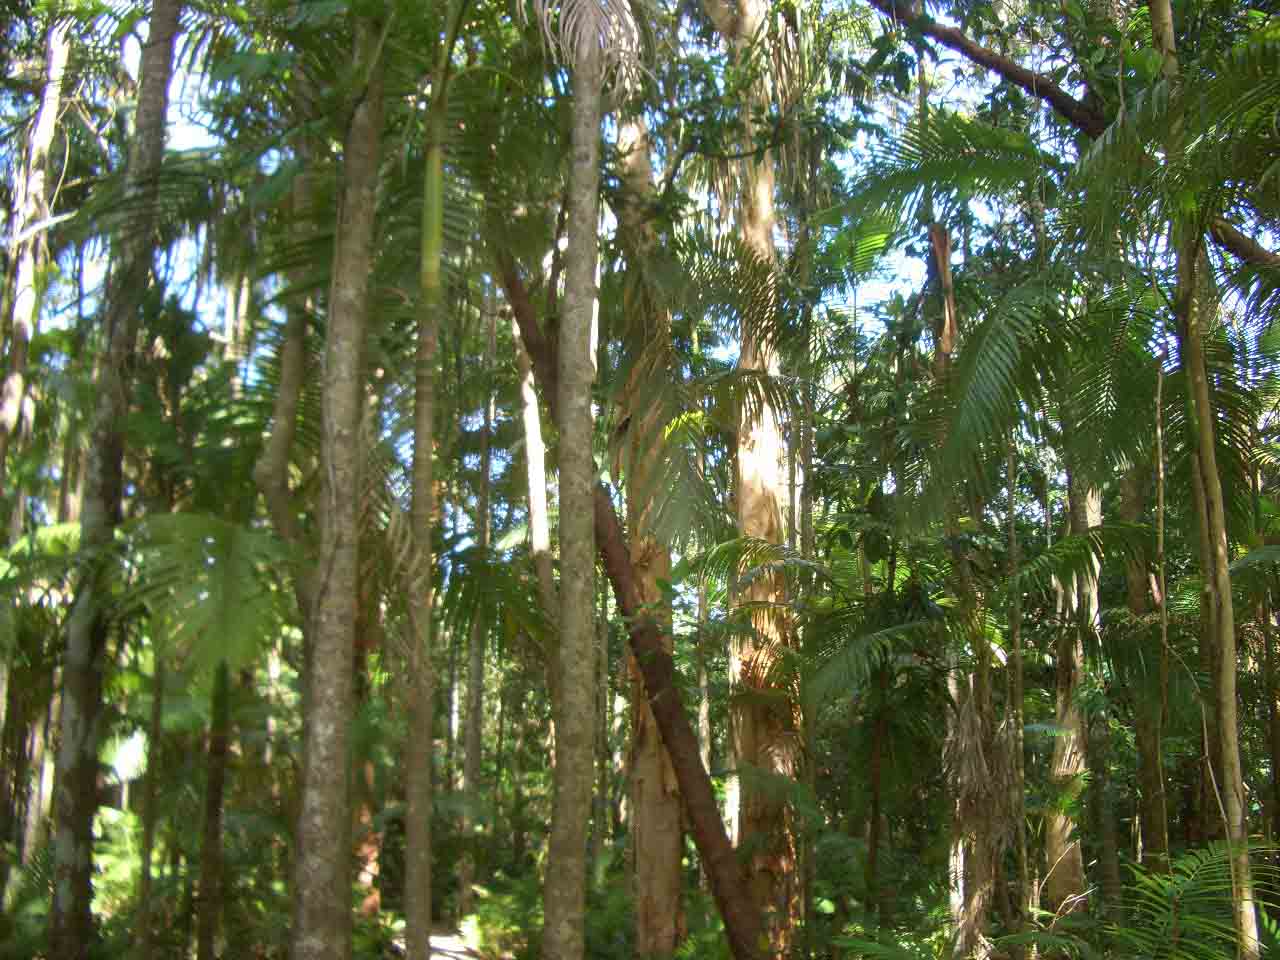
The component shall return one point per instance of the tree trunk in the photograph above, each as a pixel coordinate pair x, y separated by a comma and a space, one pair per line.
762, 733
70, 923
1272, 686
1104, 816
1192, 312
655, 800
741, 917
564, 933
1148, 706
211, 901
1064, 883
1014, 710
150, 810
420, 741
322, 892
536, 475
28, 245
472, 734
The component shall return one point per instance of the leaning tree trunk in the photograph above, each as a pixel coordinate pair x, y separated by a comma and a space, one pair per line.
322, 892
70, 923
657, 839
28, 244
565, 892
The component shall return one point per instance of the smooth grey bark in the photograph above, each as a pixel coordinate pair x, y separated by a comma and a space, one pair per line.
70, 923
28, 244
565, 890
322, 887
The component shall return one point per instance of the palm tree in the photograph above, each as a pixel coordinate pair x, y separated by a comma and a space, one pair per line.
322, 916
70, 923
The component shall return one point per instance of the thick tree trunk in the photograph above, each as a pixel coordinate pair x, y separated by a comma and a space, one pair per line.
564, 932
762, 732
655, 799
322, 891
28, 245
70, 923
211, 900
1064, 883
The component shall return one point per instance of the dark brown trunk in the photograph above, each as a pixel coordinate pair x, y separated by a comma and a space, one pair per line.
1148, 695
150, 811
212, 892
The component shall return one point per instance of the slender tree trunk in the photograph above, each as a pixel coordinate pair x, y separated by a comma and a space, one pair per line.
1016, 720
28, 245
212, 891
1149, 698
1192, 309
472, 740
70, 923
536, 475
1104, 816
322, 893
1273, 713
564, 903
150, 810
420, 742
655, 800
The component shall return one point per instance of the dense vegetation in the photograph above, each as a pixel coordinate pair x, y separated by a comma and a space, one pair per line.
640, 479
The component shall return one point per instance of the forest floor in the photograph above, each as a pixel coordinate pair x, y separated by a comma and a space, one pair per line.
450, 945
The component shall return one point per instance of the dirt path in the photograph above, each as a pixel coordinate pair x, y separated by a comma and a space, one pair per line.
449, 946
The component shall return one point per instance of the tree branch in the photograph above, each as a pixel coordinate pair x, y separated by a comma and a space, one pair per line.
1080, 115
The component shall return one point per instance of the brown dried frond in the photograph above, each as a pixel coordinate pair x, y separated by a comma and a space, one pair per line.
569, 27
